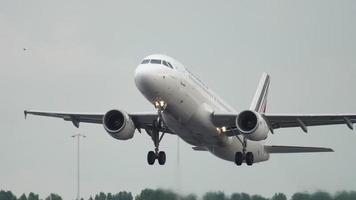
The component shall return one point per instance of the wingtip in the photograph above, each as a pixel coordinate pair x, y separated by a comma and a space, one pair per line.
327, 150
25, 113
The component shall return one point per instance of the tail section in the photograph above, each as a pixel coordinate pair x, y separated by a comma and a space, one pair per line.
259, 101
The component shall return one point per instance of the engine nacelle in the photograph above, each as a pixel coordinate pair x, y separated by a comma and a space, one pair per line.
252, 125
119, 125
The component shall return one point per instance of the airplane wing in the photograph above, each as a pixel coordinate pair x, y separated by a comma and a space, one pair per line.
75, 118
276, 121
141, 120
295, 149
303, 121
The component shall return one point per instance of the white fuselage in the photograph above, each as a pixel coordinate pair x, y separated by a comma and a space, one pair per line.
190, 104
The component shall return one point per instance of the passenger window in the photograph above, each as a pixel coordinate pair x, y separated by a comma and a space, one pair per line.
154, 61
145, 61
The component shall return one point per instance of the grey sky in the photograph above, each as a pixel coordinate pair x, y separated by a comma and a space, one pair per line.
81, 56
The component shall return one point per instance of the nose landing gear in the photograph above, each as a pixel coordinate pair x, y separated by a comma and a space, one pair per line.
156, 154
156, 137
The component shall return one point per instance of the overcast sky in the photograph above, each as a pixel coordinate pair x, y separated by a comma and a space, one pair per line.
81, 56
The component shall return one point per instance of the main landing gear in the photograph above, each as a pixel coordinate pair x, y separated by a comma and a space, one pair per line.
156, 137
243, 156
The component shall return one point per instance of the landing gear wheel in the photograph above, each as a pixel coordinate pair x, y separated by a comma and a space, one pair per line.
238, 158
161, 157
151, 157
249, 158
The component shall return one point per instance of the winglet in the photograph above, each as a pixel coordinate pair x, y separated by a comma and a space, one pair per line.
259, 101
25, 113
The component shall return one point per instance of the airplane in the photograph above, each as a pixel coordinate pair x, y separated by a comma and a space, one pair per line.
186, 107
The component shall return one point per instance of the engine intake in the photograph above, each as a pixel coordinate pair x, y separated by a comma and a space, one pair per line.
119, 125
247, 121
252, 125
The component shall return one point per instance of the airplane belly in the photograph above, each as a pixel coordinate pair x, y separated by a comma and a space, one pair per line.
187, 112
198, 129
181, 105
233, 145
182, 131
189, 116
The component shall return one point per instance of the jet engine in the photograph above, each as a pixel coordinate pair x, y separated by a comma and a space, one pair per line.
252, 125
119, 124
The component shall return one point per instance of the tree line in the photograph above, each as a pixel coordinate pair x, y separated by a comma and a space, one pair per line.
161, 194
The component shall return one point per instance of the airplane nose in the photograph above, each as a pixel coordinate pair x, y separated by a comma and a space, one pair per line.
141, 77
147, 79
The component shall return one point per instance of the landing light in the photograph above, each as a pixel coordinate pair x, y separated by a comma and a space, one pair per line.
156, 104
221, 130
161, 103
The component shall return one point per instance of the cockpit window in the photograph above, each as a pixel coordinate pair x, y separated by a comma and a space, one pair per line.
157, 61
165, 63
154, 61
170, 65
145, 61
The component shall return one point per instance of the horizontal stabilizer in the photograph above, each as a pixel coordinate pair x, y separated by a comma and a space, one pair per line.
296, 149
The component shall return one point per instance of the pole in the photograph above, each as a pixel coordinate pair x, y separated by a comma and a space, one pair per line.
178, 170
78, 170
78, 162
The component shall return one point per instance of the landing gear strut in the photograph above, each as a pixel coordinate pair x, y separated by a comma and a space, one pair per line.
243, 156
158, 125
